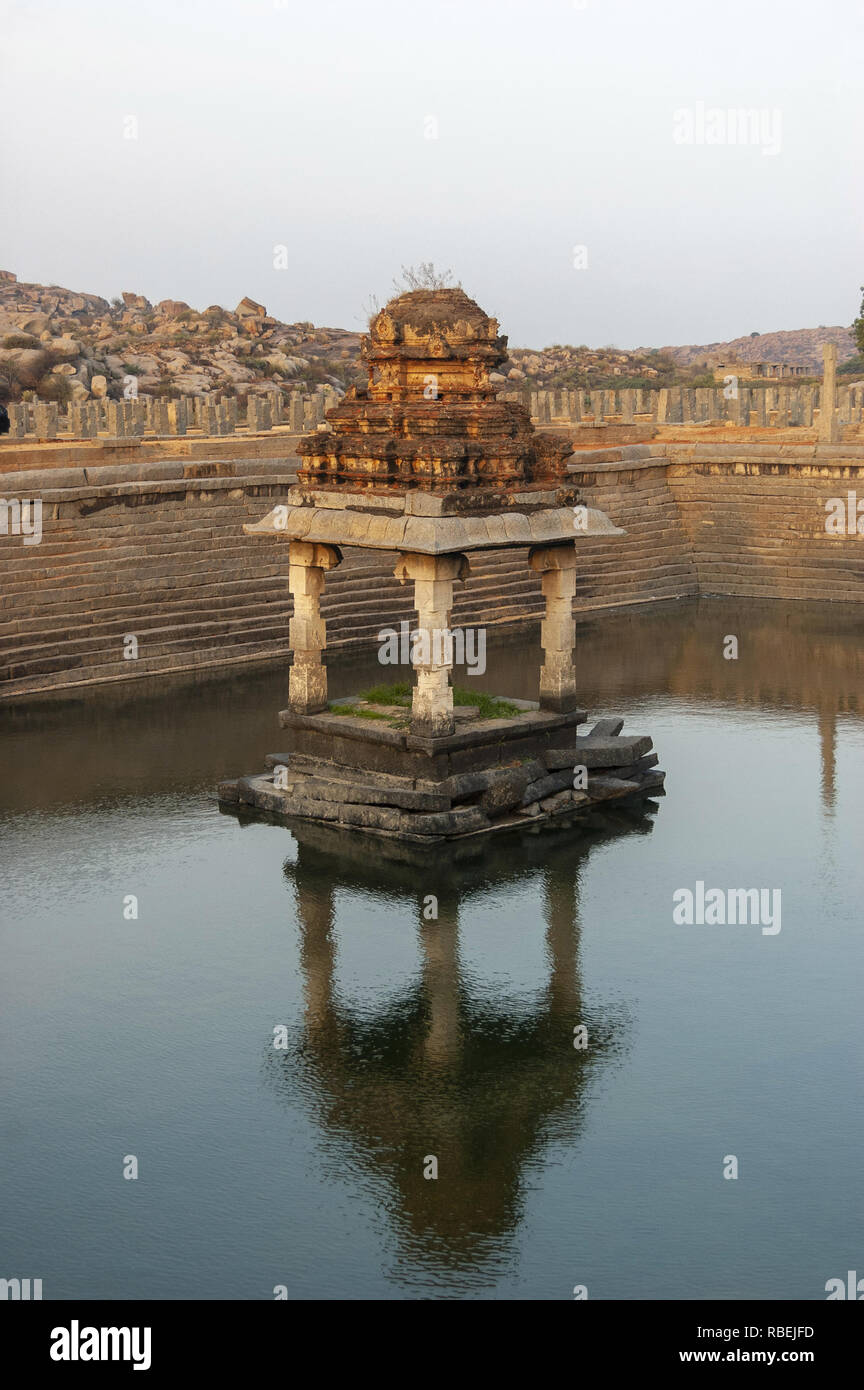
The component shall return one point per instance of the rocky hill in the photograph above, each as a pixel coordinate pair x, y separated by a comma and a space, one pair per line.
799, 347
62, 345
67, 346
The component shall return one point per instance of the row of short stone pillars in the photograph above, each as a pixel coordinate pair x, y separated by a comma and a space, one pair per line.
153, 415
433, 577
781, 406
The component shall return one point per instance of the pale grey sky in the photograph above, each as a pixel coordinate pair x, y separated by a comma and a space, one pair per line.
490, 136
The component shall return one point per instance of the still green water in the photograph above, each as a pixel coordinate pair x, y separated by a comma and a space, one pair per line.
303, 1165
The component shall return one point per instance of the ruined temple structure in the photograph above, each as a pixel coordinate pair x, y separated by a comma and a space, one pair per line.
429, 418
426, 463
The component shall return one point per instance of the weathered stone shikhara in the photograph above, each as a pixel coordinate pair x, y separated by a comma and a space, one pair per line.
427, 463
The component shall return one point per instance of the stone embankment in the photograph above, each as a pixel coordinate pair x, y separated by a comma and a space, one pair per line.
143, 568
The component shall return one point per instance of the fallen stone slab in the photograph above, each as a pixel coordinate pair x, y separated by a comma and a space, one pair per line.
604, 788
505, 791
606, 728
652, 780
461, 785
601, 752
638, 769
547, 786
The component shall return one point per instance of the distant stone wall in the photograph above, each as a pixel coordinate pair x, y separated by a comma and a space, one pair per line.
147, 544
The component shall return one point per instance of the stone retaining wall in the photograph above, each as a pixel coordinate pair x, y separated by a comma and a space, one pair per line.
155, 551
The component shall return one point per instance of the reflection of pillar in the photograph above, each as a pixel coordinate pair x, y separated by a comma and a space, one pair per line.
440, 944
828, 749
307, 684
432, 645
557, 564
829, 429
317, 949
562, 940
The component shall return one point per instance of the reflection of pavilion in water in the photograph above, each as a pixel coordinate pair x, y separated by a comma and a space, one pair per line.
480, 1082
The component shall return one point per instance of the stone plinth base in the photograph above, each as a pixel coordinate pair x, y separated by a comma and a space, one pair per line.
490, 775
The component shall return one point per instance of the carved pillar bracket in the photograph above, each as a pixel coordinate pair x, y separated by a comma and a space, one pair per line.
557, 565
307, 565
432, 644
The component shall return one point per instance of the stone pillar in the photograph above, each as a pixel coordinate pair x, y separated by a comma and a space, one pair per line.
557, 565
844, 405
783, 413
133, 412
46, 420
295, 417
177, 417
807, 406
210, 420
116, 419
829, 429
307, 565
432, 645
662, 405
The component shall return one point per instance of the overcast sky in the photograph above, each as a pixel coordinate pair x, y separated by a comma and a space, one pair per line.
489, 136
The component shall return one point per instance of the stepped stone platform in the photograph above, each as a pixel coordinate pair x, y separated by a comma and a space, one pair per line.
489, 775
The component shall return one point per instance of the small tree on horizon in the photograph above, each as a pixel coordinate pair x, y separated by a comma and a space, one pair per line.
858, 325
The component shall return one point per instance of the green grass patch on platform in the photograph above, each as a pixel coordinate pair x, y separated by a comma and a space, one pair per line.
488, 706
357, 713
